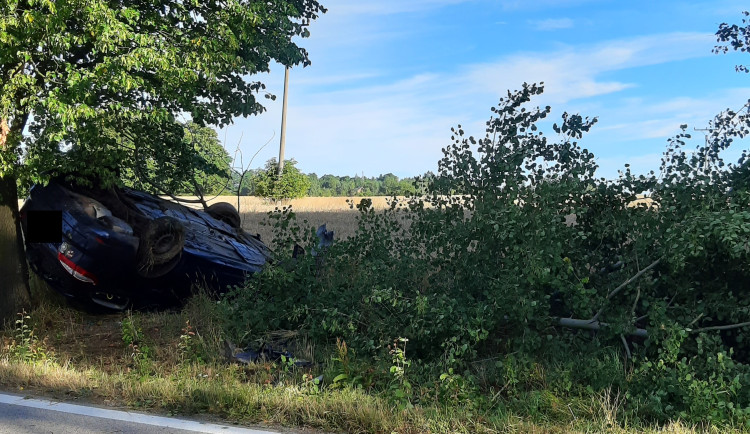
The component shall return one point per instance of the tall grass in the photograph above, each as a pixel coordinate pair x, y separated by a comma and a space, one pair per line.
88, 360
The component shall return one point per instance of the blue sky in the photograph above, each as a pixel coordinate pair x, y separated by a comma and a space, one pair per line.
389, 78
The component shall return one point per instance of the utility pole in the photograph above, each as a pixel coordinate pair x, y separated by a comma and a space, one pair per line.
704, 131
283, 122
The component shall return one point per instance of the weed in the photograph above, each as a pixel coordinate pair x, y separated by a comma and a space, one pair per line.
25, 346
311, 385
139, 351
287, 364
455, 389
342, 363
188, 346
400, 388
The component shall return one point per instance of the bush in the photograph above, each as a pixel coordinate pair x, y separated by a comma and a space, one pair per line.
484, 267
291, 185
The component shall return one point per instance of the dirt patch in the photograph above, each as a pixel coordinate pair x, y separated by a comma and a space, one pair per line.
85, 338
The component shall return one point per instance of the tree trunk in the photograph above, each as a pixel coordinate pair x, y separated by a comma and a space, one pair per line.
14, 280
15, 293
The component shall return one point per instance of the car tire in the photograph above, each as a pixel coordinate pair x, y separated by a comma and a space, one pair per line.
160, 246
225, 212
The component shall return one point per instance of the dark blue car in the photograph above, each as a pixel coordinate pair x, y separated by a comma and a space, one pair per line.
121, 247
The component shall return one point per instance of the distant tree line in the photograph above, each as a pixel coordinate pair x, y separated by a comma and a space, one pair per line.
260, 182
211, 173
383, 185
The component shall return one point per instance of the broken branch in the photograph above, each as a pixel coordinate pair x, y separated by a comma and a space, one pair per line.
627, 348
588, 324
723, 327
624, 284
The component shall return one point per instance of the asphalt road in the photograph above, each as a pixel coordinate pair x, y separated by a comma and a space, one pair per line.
20, 415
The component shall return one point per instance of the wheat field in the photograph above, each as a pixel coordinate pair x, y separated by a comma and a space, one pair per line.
335, 212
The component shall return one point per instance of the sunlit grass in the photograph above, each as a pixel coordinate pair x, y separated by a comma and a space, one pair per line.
88, 360
189, 391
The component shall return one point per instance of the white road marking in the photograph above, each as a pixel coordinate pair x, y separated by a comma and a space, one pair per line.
125, 416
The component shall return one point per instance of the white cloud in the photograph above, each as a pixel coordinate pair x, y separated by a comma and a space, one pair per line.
573, 73
645, 118
636, 130
552, 24
401, 126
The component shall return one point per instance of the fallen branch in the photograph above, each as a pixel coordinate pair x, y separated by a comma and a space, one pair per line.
635, 303
695, 320
623, 285
722, 327
627, 348
591, 324
179, 199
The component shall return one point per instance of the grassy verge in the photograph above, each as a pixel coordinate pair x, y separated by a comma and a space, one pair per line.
230, 396
173, 363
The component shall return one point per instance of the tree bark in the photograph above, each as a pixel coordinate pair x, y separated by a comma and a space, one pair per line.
14, 284
15, 293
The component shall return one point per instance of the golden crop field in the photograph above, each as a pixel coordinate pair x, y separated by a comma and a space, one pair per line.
334, 212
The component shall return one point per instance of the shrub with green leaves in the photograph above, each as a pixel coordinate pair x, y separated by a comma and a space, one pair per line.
291, 184
519, 238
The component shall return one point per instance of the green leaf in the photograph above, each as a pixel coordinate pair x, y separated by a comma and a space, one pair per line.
339, 378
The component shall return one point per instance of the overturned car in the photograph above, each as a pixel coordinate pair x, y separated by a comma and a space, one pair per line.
121, 247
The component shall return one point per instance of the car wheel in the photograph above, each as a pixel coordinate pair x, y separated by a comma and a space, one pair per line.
160, 246
225, 212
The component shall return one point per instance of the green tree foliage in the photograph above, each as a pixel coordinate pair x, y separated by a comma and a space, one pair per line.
291, 185
212, 170
73, 69
314, 189
330, 185
78, 67
384, 185
243, 183
390, 182
735, 38
533, 242
207, 169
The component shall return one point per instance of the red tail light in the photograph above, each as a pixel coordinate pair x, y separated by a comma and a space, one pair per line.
76, 271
